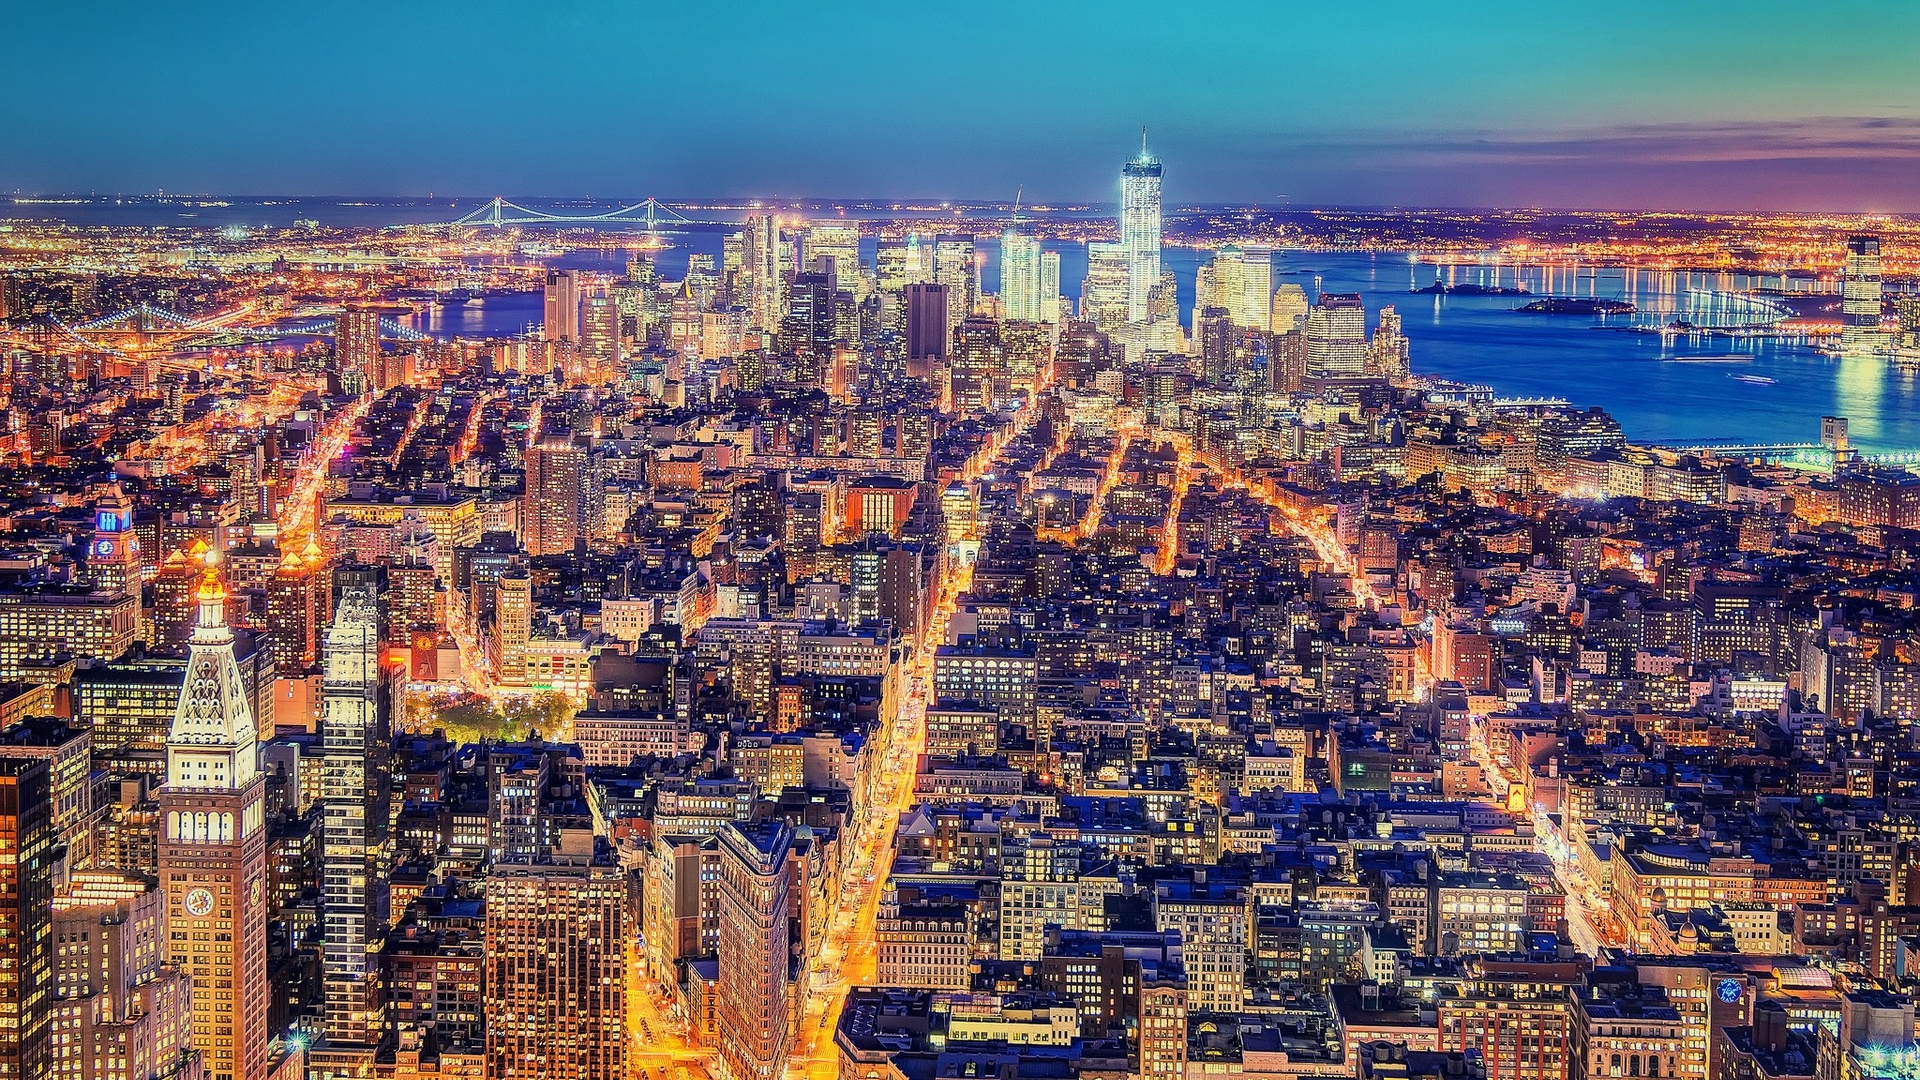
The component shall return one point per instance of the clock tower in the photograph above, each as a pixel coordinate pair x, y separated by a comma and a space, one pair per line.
213, 849
114, 555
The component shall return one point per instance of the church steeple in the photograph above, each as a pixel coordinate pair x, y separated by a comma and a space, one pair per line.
212, 743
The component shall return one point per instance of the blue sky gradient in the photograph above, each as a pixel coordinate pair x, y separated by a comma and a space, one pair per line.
1760, 104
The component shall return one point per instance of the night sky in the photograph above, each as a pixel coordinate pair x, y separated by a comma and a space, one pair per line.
1733, 105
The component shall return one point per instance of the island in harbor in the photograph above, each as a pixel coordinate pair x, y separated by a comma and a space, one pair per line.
1576, 305
1468, 288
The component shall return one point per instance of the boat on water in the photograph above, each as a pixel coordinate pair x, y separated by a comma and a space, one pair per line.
1720, 358
1755, 380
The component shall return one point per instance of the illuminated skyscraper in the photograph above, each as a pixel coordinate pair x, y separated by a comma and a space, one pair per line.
977, 358
1336, 338
294, 609
562, 311
122, 1014
765, 271
953, 267
1860, 296
1239, 281
213, 849
1140, 228
599, 334
356, 345
809, 330
556, 944
26, 929
839, 242
754, 949
356, 857
513, 625
555, 487
1103, 292
1289, 305
1029, 280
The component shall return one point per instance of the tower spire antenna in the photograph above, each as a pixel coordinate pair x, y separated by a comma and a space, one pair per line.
1143, 140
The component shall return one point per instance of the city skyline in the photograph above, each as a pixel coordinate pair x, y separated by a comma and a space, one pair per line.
1127, 626
1652, 107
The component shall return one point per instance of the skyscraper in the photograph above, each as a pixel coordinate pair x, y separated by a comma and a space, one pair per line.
1289, 305
356, 344
766, 272
294, 611
928, 330
513, 624
1140, 228
953, 267
555, 487
26, 929
121, 1014
556, 946
978, 357
1029, 280
599, 334
213, 848
1019, 276
1240, 282
356, 857
753, 949
1104, 291
838, 242
809, 329
1336, 337
562, 311
1860, 296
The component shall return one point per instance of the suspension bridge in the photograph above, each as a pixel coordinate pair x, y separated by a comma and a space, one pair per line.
652, 213
158, 334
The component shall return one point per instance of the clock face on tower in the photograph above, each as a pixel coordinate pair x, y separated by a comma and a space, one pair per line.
199, 902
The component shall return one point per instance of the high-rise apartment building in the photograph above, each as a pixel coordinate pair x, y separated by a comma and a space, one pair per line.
294, 609
26, 929
561, 321
356, 344
754, 949
356, 853
1140, 228
213, 848
555, 979
555, 488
